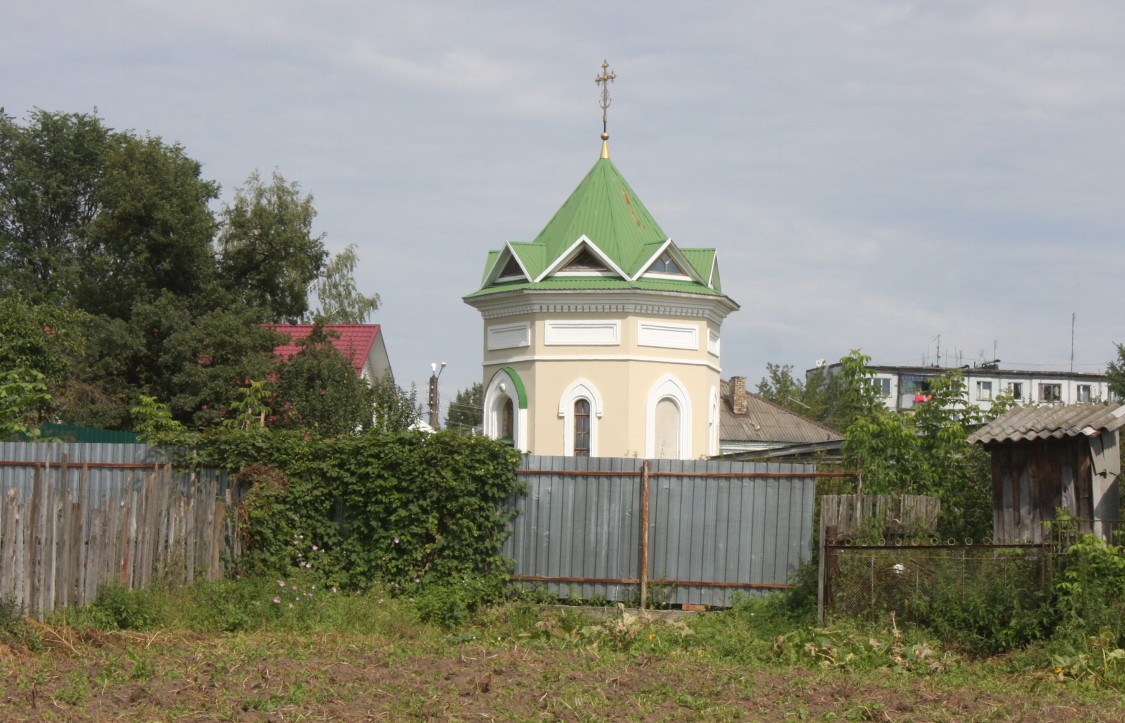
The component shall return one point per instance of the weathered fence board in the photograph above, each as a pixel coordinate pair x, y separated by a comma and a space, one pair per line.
910, 515
715, 528
75, 516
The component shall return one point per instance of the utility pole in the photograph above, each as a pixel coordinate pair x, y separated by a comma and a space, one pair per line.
435, 400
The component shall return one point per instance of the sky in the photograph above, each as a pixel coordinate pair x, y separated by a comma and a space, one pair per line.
905, 178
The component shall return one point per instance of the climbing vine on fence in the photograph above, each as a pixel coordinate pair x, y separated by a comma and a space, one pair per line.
407, 510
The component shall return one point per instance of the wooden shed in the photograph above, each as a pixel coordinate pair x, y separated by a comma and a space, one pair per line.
1050, 458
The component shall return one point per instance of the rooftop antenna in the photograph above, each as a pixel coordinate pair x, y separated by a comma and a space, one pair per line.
937, 361
1072, 317
606, 77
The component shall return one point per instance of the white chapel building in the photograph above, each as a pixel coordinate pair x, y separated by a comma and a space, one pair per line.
602, 335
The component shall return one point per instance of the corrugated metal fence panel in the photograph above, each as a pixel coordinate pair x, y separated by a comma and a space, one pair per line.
716, 528
106, 482
577, 534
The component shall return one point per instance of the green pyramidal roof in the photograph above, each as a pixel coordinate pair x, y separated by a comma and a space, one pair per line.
624, 242
605, 209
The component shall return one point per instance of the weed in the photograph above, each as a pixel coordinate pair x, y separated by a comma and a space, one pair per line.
117, 607
14, 630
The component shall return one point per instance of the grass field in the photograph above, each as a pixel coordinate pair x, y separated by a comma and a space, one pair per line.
337, 657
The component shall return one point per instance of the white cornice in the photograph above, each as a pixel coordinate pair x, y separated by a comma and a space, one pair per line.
586, 358
632, 301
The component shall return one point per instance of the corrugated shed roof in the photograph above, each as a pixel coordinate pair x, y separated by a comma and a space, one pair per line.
1051, 422
765, 421
354, 341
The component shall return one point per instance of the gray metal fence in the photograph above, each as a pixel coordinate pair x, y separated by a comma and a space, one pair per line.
661, 531
75, 516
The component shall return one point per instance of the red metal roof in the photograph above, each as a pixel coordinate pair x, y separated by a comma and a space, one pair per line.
354, 341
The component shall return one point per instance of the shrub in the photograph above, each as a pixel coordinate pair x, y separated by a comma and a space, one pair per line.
117, 607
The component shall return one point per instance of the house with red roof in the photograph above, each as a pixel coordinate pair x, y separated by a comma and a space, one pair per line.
361, 344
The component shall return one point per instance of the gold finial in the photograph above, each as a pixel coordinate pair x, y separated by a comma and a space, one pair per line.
607, 76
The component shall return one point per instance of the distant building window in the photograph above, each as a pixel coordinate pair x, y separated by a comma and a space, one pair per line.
883, 385
1016, 390
984, 391
1050, 392
1084, 393
582, 428
915, 384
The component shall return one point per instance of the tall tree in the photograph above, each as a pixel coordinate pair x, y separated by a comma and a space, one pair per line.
339, 300
466, 411
268, 255
49, 174
153, 230
97, 219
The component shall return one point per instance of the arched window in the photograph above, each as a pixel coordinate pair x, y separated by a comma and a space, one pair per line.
505, 408
580, 408
508, 420
582, 428
668, 420
667, 442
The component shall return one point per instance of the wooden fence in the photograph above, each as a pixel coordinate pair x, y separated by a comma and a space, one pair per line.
848, 515
71, 521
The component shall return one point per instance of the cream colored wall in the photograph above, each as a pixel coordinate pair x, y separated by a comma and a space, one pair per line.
623, 375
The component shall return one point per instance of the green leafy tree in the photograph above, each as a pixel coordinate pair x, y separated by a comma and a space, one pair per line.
205, 362
39, 336
851, 392
1116, 373
805, 397
97, 219
268, 255
925, 452
153, 230
396, 409
23, 399
466, 411
50, 169
338, 298
318, 389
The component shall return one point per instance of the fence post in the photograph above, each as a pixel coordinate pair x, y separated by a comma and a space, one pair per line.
644, 532
820, 570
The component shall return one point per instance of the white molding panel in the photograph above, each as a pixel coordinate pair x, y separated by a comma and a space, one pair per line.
668, 336
509, 336
582, 333
713, 342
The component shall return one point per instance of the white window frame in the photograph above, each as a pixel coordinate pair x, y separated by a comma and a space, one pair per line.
580, 389
500, 389
668, 387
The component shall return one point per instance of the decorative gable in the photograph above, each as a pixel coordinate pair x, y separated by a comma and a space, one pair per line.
512, 270
584, 262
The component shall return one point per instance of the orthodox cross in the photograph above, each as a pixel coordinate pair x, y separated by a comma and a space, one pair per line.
607, 76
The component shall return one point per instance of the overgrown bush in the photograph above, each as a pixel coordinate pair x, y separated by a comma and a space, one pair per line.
1089, 593
408, 510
